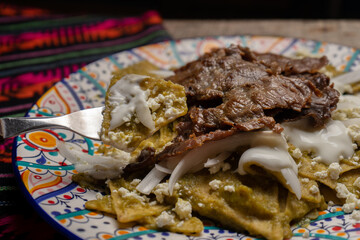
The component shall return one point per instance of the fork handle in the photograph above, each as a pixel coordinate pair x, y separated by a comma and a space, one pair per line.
10, 127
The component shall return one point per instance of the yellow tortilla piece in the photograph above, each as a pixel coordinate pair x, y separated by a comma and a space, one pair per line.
191, 226
166, 101
349, 178
103, 205
159, 140
313, 171
130, 208
258, 205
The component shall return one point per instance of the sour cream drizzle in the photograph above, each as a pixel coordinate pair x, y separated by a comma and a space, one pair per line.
128, 98
329, 143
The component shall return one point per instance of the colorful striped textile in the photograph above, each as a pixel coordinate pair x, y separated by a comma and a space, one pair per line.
37, 49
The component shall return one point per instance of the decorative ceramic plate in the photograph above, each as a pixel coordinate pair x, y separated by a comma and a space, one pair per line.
46, 175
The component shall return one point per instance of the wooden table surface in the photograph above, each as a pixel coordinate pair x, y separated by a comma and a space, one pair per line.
345, 32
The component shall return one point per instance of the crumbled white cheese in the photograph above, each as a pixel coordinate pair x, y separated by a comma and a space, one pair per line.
164, 219
333, 209
334, 170
133, 195
296, 153
321, 174
171, 112
229, 188
351, 200
355, 215
201, 205
331, 203
348, 207
183, 209
160, 191
314, 189
346, 113
153, 104
135, 182
305, 180
341, 190
215, 184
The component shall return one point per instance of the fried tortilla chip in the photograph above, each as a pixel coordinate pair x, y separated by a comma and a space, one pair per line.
258, 204
104, 204
159, 140
351, 180
131, 116
130, 206
311, 168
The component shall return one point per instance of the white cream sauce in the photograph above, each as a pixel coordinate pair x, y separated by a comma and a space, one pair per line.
329, 143
129, 99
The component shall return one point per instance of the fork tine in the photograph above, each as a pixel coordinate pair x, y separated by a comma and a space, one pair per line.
85, 122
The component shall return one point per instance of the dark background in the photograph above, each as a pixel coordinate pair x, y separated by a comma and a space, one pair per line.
208, 9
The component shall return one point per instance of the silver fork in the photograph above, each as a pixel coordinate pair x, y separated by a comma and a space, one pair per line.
85, 122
